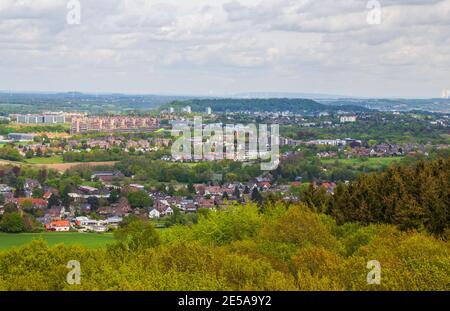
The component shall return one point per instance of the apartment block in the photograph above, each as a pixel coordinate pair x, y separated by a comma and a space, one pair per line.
113, 124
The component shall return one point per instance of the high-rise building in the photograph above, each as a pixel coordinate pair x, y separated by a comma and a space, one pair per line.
40, 118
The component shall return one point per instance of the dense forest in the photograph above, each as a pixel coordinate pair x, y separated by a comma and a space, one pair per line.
306, 106
241, 248
414, 197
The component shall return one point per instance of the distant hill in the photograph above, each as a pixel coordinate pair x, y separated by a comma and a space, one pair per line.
438, 105
288, 95
296, 105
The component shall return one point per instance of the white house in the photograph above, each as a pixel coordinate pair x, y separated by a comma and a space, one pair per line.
154, 214
168, 211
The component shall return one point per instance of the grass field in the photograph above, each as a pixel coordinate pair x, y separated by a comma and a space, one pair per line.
50, 160
88, 240
60, 167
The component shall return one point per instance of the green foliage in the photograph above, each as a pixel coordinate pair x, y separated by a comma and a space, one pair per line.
12, 223
139, 199
10, 153
235, 223
254, 104
136, 235
413, 197
239, 249
94, 156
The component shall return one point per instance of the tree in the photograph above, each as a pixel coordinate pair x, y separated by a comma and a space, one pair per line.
256, 196
94, 202
10, 153
27, 205
137, 235
2, 199
29, 154
12, 223
42, 176
225, 196
20, 188
191, 188
114, 196
170, 190
139, 199
53, 201
10, 208
38, 192
236, 192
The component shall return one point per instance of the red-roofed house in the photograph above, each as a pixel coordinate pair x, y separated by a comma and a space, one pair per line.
58, 225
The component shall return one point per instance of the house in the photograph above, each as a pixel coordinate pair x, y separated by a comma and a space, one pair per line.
137, 187
31, 184
206, 203
329, 186
98, 228
47, 195
58, 225
5, 189
122, 208
107, 176
167, 211
85, 192
264, 185
154, 214
114, 221
56, 213
84, 221
88, 189
200, 189
161, 204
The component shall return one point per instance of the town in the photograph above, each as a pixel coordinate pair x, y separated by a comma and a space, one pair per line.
97, 199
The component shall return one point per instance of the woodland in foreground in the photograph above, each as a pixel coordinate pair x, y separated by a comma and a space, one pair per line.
316, 245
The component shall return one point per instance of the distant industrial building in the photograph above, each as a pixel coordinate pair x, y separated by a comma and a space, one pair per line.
40, 118
20, 137
113, 124
187, 109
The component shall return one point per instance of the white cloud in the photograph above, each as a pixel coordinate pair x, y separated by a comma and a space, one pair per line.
227, 46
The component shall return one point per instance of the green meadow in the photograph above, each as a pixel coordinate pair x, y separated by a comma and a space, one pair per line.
50, 160
88, 240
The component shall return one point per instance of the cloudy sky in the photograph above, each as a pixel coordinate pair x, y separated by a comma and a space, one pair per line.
221, 47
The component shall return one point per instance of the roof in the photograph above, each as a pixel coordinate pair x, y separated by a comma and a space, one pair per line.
59, 223
88, 188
